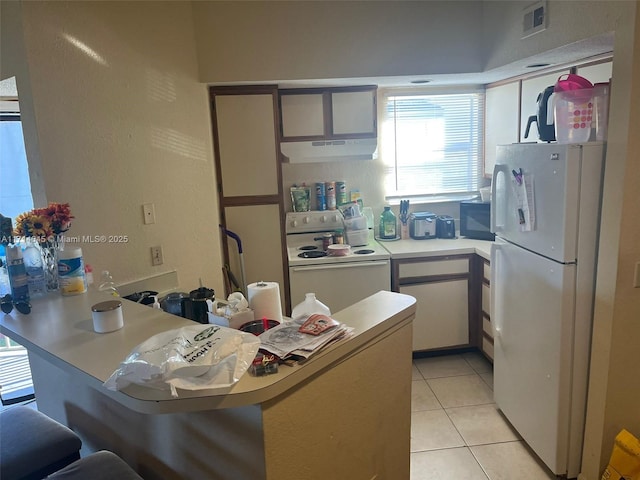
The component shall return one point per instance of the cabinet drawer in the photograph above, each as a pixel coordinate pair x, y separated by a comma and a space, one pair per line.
487, 328
487, 348
486, 271
486, 299
438, 267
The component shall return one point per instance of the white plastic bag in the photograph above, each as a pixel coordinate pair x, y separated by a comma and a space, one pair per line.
196, 357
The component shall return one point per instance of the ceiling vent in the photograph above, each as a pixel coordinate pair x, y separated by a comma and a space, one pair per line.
534, 19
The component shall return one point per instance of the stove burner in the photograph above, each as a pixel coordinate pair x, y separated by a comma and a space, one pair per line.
312, 254
308, 247
364, 251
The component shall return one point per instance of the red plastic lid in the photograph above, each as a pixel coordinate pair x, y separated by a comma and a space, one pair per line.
571, 81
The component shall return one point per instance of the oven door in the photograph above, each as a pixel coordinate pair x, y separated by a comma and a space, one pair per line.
339, 285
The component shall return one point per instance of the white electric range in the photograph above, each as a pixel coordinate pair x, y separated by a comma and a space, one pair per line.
337, 281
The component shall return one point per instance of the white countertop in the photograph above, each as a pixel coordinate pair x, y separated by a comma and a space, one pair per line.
59, 329
401, 249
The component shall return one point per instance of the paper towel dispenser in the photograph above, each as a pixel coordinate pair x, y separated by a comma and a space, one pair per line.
330, 150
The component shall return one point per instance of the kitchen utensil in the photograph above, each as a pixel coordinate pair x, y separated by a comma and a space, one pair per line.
544, 118
573, 113
173, 303
196, 306
404, 211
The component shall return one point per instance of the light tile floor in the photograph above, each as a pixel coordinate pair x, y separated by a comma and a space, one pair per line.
457, 430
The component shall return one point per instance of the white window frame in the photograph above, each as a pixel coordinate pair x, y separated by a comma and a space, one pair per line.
390, 156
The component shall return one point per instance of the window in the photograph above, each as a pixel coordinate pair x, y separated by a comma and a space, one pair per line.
15, 187
431, 144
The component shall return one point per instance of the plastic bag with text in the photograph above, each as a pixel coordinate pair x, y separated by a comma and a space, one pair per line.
196, 357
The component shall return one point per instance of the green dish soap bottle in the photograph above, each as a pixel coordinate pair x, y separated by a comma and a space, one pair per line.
388, 224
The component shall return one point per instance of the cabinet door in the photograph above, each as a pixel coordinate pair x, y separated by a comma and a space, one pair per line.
353, 112
258, 227
247, 144
302, 115
442, 316
502, 120
599, 73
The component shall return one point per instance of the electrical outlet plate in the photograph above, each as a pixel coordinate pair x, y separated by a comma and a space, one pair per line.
149, 213
534, 18
156, 255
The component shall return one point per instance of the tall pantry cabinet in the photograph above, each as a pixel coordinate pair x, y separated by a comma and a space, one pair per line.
249, 182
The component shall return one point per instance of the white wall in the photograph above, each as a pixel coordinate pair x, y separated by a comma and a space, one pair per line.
115, 114
258, 41
569, 21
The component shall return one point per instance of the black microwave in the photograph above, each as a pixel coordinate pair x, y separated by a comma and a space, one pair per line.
475, 220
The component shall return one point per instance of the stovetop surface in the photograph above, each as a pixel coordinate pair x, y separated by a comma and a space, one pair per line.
301, 244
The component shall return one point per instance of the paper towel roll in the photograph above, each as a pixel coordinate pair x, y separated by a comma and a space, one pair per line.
264, 300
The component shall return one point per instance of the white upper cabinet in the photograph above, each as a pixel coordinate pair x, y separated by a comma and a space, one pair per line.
246, 139
502, 120
329, 113
599, 73
302, 115
353, 112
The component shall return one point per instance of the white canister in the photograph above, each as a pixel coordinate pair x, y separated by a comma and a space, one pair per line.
71, 276
107, 316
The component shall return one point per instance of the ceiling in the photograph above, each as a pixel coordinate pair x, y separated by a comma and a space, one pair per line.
584, 51
591, 49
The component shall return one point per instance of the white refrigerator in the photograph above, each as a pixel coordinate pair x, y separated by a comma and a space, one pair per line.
545, 214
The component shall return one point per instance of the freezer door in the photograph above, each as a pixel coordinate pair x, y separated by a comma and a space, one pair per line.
532, 313
539, 210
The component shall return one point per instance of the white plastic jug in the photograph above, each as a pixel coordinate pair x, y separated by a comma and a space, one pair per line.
573, 114
308, 307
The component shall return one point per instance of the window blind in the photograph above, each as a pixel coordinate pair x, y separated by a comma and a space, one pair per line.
432, 144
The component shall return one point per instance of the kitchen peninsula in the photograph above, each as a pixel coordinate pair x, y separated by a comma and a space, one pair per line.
345, 413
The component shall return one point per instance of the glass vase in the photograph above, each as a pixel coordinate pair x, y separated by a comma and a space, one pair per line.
49, 251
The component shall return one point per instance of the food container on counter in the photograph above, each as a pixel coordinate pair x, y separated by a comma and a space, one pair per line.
357, 238
339, 250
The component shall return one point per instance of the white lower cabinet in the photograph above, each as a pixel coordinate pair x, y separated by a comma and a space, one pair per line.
442, 316
441, 286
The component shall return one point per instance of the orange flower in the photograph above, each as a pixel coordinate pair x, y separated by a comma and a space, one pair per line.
44, 222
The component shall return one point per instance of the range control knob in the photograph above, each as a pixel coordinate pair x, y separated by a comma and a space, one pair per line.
306, 220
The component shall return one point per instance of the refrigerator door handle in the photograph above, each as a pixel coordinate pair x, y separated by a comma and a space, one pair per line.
497, 283
498, 196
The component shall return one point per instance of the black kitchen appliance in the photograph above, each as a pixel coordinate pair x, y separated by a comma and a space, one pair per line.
475, 220
422, 225
196, 307
445, 227
544, 117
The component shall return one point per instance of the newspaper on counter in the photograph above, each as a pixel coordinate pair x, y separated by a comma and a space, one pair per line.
286, 339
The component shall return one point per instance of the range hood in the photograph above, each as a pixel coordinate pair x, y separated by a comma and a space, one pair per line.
330, 150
